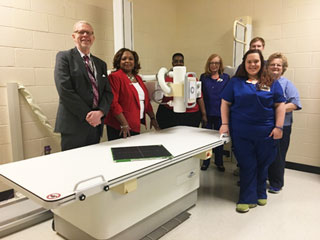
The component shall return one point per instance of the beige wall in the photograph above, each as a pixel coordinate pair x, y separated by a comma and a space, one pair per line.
199, 28
32, 32
155, 24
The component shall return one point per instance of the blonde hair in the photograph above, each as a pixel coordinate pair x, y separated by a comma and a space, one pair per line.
279, 55
207, 66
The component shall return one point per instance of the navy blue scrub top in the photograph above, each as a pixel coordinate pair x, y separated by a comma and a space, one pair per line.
252, 111
211, 90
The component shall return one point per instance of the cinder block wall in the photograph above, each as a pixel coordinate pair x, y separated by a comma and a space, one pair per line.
32, 32
288, 26
199, 28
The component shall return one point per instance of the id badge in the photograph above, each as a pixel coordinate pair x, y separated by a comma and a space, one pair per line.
265, 88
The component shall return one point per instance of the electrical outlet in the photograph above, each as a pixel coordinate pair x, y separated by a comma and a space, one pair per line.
47, 150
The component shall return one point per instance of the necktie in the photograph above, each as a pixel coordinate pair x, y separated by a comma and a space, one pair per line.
92, 80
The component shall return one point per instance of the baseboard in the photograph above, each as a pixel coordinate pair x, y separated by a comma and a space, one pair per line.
303, 167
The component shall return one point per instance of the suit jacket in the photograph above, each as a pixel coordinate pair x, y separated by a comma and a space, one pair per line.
126, 101
75, 91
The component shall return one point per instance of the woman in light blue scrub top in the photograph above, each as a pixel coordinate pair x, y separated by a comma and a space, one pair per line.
277, 64
252, 112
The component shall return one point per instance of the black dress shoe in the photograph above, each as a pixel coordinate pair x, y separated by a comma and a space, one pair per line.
205, 165
221, 168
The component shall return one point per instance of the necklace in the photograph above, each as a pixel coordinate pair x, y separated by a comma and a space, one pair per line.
131, 78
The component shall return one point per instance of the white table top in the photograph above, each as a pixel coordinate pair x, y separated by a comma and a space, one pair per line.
58, 173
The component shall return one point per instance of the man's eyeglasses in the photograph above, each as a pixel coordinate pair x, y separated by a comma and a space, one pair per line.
215, 63
83, 32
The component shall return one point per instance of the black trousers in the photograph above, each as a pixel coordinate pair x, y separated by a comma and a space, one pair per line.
114, 134
276, 169
80, 139
214, 122
168, 118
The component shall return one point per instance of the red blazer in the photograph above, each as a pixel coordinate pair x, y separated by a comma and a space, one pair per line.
126, 101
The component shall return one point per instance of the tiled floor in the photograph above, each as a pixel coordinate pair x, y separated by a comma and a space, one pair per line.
294, 214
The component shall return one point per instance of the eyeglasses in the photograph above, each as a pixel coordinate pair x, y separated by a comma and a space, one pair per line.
83, 32
275, 65
214, 63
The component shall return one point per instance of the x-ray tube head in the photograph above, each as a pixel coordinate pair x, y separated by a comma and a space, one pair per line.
179, 74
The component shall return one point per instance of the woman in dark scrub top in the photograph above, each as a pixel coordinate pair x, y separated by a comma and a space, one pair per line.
252, 112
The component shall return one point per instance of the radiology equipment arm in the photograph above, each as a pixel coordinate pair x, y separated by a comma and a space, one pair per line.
184, 89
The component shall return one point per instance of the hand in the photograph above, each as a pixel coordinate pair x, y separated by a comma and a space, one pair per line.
94, 118
276, 133
125, 131
204, 121
155, 124
224, 129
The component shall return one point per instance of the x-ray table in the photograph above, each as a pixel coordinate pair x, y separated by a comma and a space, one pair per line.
93, 197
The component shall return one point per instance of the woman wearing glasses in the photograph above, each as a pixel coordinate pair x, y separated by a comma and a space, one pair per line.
277, 64
213, 81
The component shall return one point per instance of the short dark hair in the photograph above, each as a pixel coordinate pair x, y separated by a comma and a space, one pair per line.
117, 58
242, 72
176, 55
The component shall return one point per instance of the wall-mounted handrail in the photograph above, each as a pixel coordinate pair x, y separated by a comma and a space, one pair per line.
36, 109
13, 91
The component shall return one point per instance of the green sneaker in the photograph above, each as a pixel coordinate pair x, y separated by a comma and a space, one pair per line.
252, 205
242, 208
262, 202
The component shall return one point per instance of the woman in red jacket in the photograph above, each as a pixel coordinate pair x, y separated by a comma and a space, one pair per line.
131, 99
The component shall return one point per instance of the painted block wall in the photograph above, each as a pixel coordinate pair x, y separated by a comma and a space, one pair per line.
33, 31
200, 28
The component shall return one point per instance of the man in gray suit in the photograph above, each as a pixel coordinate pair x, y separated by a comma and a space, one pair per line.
84, 92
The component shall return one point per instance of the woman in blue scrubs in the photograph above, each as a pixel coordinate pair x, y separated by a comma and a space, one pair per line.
252, 111
213, 81
277, 64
